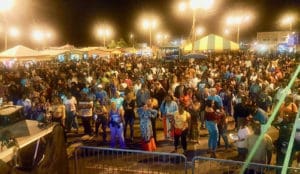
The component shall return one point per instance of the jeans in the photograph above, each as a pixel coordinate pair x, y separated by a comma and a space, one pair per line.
71, 120
223, 134
213, 134
115, 132
129, 120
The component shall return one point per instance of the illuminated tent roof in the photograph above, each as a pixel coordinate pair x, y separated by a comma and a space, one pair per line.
19, 51
50, 52
212, 42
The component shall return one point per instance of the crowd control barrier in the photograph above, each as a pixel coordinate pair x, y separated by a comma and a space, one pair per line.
96, 160
212, 165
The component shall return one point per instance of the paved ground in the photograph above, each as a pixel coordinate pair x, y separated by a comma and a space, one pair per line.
194, 148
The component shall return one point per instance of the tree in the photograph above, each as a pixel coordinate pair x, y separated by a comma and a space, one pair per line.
112, 44
121, 43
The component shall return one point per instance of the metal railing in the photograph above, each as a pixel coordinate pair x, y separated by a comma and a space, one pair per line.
92, 160
215, 166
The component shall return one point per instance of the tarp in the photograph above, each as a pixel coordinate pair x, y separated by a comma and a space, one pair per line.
50, 52
212, 42
19, 51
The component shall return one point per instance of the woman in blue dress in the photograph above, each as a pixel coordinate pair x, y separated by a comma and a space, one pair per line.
145, 114
116, 126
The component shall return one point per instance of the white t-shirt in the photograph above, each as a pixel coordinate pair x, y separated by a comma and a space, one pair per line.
242, 134
70, 104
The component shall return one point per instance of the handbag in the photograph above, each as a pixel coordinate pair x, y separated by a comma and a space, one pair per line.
177, 131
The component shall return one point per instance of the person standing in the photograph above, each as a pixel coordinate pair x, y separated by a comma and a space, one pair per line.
129, 115
145, 114
70, 104
167, 109
194, 111
100, 113
211, 125
58, 111
117, 99
142, 95
263, 154
85, 111
222, 126
181, 123
243, 133
157, 96
116, 125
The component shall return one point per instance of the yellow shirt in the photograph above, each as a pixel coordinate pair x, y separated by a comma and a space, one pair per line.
181, 120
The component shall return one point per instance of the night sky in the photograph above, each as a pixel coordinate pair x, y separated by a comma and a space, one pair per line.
74, 20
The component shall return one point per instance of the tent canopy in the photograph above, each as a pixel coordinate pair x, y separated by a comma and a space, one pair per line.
19, 51
212, 42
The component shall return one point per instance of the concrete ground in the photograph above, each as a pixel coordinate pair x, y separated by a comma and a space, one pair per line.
194, 148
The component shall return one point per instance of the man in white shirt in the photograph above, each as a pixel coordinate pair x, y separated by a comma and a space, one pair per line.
70, 104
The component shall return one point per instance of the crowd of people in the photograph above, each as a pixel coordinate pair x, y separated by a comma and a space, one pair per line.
187, 96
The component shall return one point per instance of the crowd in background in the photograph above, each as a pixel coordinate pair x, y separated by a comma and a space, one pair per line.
187, 95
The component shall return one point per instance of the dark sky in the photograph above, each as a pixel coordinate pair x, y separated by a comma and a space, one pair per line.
73, 20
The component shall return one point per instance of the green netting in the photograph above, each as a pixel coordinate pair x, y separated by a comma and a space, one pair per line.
268, 125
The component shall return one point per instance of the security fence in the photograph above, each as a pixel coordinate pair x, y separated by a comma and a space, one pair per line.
217, 166
96, 160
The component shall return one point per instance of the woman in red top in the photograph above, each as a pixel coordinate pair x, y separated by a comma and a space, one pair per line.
211, 125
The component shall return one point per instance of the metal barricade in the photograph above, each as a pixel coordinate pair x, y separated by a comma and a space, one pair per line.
96, 160
205, 165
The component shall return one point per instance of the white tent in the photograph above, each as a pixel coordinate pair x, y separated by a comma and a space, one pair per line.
19, 51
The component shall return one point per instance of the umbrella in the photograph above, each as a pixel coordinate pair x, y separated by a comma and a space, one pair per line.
195, 56
212, 42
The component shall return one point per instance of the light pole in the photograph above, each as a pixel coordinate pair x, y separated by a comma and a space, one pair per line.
150, 24
237, 21
132, 39
13, 32
288, 20
5, 5
104, 32
199, 31
38, 36
195, 5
